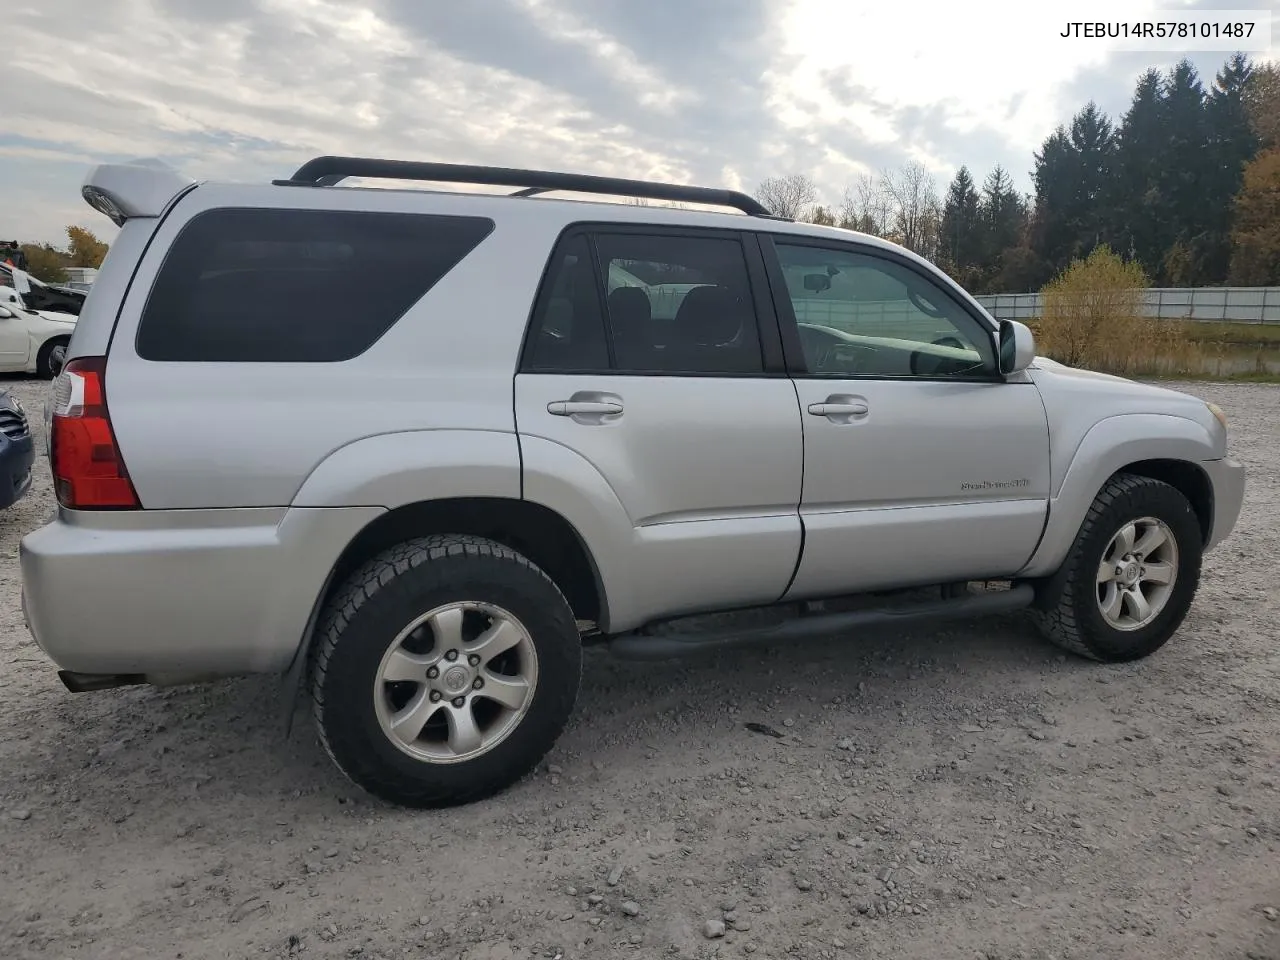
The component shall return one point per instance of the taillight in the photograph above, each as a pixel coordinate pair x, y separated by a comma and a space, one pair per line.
88, 471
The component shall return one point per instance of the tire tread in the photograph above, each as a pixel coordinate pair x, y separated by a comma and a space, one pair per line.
1058, 619
364, 583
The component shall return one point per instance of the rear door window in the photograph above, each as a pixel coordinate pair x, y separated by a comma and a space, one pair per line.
245, 285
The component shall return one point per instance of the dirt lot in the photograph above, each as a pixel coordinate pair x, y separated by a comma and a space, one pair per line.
967, 793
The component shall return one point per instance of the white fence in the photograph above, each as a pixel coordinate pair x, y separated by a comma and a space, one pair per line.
1232, 304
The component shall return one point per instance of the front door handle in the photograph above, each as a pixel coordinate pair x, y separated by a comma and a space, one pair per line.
840, 408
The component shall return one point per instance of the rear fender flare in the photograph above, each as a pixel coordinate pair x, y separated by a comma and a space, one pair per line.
392, 469
388, 471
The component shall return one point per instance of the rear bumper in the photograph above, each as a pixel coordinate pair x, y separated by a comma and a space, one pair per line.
180, 595
16, 459
1227, 477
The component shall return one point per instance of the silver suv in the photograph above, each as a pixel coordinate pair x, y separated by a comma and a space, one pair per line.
412, 449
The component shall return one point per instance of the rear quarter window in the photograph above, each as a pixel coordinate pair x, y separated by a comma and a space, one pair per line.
295, 286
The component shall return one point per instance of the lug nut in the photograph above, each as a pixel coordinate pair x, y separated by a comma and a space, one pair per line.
474, 660
451, 655
459, 702
433, 672
435, 696
477, 683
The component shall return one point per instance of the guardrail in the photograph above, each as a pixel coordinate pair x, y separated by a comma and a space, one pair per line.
1222, 304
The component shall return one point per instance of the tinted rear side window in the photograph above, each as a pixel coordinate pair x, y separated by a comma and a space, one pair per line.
295, 286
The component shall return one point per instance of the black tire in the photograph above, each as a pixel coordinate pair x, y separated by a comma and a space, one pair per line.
1067, 609
376, 603
44, 359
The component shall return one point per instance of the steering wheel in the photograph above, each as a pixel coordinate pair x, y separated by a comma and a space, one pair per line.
930, 365
840, 357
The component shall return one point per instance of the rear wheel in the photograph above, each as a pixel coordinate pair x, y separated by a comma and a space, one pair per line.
1131, 575
445, 669
52, 357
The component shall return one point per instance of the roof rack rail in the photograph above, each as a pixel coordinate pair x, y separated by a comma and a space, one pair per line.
328, 171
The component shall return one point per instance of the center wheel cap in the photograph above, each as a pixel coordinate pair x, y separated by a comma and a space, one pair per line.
456, 679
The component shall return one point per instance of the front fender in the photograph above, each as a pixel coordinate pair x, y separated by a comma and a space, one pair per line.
394, 469
1110, 446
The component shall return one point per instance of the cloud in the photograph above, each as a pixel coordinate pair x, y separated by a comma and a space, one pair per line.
722, 92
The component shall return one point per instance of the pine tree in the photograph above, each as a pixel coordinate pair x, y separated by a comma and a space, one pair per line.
960, 239
1231, 145
1093, 139
1004, 217
1072, 176
1055, 173
1186, 165
1134, 191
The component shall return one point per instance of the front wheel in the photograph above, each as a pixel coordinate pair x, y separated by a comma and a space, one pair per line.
444, 670
51, 358
1131, 575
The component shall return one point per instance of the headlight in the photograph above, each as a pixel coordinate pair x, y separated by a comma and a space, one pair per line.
1217, 412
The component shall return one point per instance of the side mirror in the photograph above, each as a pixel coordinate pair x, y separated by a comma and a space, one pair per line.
1017, 346
6, 313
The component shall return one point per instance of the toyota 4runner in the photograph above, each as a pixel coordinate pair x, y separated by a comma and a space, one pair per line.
412, 449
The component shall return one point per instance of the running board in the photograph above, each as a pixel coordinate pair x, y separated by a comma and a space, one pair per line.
639, 646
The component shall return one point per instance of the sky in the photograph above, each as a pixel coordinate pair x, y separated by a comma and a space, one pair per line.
714, 92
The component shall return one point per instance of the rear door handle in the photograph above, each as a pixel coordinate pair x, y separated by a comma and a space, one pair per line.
584, 408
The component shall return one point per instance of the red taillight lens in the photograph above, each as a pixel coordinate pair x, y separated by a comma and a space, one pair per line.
88, 471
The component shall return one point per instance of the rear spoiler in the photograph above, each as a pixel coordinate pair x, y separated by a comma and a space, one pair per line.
140, 188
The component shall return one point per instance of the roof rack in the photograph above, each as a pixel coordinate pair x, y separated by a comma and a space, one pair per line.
329, 171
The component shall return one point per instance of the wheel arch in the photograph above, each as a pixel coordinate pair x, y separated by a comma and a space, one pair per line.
1159, 446
41, 344
1189, 479
539, 533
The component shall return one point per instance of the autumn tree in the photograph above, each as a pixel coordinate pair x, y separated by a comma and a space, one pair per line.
790, 196
1092, 309
1262, 103
84, 249
1255, 259
45, 262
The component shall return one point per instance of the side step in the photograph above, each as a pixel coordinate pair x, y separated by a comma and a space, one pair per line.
89, 682
639, 646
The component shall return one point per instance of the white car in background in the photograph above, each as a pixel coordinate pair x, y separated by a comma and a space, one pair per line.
32, 341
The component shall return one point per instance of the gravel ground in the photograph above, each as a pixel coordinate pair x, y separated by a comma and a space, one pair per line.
967, 793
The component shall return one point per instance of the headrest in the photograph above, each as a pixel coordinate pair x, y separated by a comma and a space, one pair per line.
709, 316
631, 301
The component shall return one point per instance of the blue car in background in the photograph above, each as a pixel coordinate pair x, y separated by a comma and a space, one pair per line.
17, 452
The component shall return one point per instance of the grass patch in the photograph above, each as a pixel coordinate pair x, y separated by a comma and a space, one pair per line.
1180, 350
1208, 331
1251, 377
